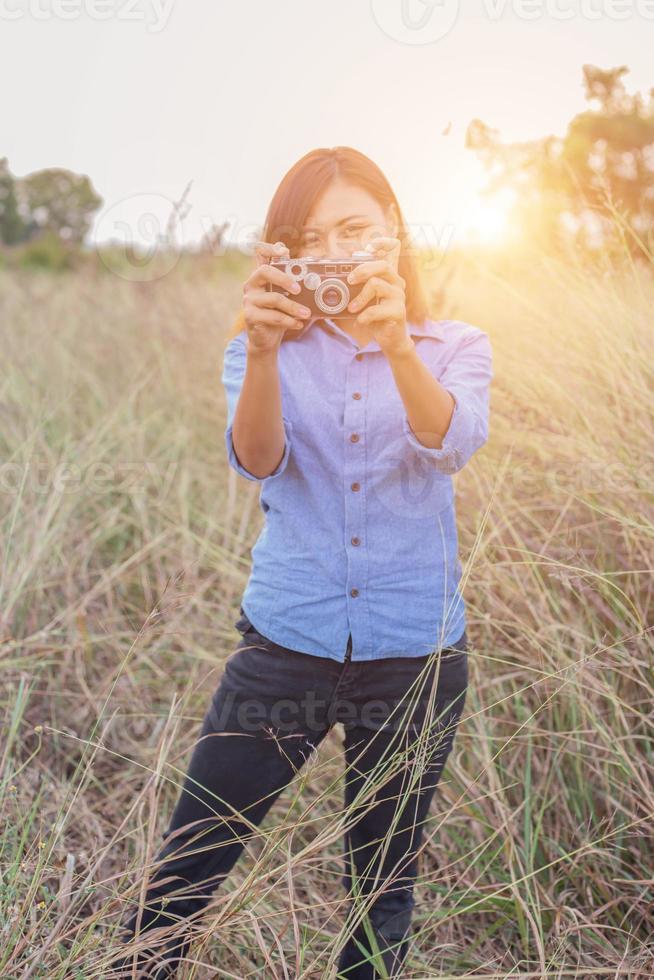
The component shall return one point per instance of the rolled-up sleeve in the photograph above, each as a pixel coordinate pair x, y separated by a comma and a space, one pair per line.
467, 377
234, 364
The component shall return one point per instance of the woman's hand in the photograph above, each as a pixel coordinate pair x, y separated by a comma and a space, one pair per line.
268, 314
387, 318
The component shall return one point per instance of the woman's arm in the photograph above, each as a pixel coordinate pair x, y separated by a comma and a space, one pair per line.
429, 406
252, 389
446, 420
257, 430
257, 434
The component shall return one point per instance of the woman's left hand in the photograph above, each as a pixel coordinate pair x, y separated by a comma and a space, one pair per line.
386, 318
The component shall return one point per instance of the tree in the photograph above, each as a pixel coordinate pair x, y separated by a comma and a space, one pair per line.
59, 201
603, 165
12, 227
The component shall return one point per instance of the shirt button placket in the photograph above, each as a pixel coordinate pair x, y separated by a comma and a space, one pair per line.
354, 422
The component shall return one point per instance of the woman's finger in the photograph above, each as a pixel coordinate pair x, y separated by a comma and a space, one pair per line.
268, 299
374, 287
264, 274
258, 316
265, 251
380, 268
388, 247
388, 309
383, 243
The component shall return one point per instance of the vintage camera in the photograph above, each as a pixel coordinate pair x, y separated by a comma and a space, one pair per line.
325, 290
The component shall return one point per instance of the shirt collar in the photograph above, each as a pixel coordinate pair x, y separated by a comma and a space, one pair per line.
430, 328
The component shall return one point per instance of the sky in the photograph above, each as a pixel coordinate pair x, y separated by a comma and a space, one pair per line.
145, 96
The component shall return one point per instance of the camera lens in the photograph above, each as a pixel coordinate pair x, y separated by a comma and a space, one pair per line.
332, 296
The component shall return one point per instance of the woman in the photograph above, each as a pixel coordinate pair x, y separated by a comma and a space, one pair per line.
352, 612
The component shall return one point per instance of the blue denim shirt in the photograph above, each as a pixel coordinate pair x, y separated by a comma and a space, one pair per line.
360, 530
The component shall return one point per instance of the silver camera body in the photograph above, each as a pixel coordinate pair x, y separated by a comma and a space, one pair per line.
324, 287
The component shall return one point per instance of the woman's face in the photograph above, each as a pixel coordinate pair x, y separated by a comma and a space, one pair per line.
344, 219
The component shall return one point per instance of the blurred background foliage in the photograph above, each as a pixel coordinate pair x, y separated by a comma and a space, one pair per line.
572, 187
564, 192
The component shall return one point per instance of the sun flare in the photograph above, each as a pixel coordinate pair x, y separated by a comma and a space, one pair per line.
487, 220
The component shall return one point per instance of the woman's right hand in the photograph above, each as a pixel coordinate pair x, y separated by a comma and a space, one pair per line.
268, 314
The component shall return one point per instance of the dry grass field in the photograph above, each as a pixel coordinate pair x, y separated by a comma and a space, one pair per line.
125, 550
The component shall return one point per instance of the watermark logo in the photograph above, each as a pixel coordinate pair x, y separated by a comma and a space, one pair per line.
415, 21
138, 237
406, 484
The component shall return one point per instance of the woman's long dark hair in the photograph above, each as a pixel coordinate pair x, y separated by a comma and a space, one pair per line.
305, 182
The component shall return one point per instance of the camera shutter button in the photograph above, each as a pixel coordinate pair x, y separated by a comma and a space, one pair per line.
312, 280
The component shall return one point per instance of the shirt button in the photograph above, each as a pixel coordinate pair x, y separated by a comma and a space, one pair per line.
358, 357
356, 541
355, 486
354, 437
354, 593
357, 395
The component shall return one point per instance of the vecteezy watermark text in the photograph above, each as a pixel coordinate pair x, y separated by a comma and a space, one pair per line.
313, 713
427, 21
154, 13
130, 476
567, 9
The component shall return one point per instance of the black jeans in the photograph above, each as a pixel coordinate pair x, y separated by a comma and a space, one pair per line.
272, 708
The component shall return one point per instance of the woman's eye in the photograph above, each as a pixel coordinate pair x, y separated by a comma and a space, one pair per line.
354, 229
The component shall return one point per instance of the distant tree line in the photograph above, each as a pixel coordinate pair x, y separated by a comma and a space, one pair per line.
54, 201
595, 181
